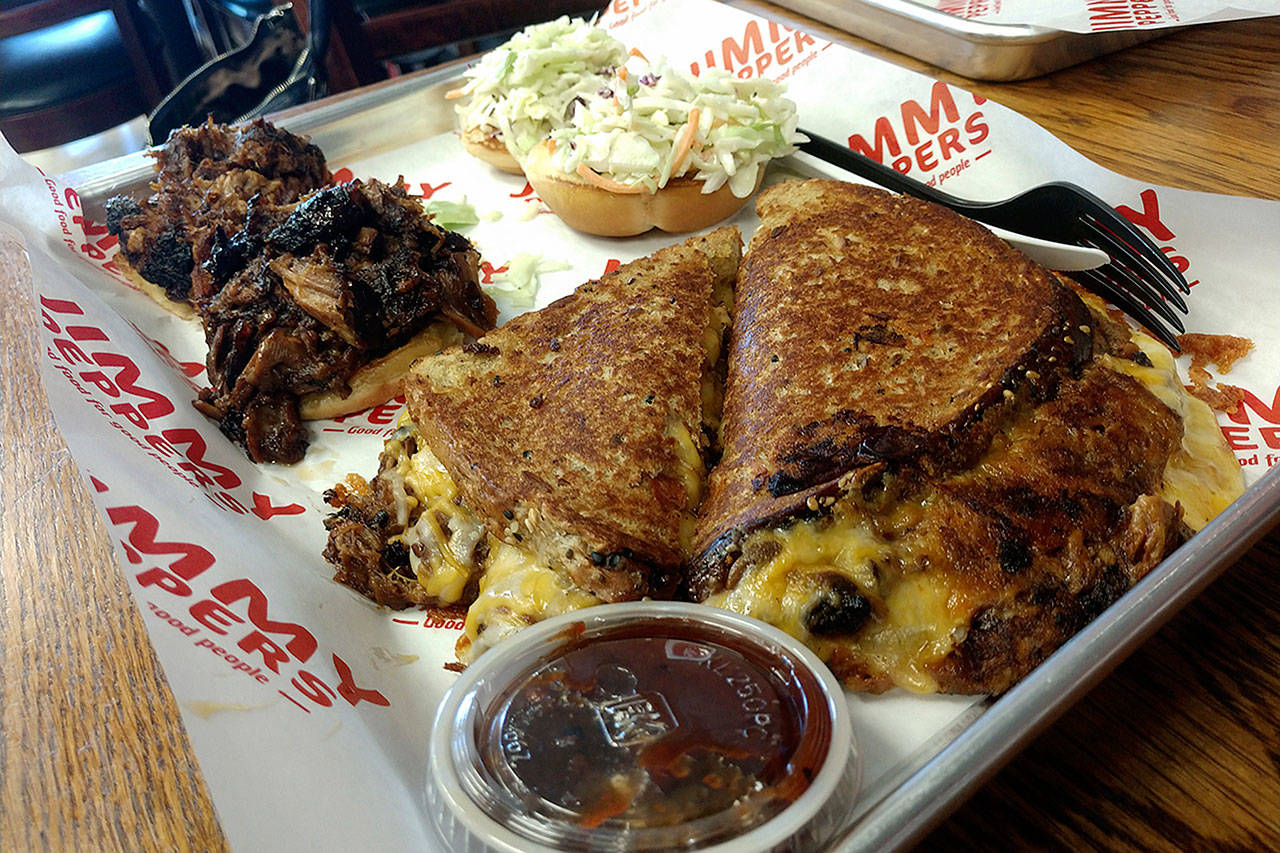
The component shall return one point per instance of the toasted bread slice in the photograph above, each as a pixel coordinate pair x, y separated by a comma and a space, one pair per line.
939, 460
573, 418
873, 327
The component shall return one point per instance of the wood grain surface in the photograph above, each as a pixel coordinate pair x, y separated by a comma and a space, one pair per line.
1177, 750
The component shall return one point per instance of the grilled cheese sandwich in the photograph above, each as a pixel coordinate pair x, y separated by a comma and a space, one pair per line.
940, 460
918, 617
556, 463
918, 526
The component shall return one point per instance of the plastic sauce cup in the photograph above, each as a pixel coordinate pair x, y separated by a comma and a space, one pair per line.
643, 726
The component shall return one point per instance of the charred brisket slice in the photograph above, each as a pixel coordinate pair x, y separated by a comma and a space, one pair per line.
205, 179
297, 304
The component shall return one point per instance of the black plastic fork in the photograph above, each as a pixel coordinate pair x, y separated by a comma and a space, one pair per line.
1139, 279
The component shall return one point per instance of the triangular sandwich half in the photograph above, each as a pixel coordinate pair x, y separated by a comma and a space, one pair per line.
558, 461
940, 460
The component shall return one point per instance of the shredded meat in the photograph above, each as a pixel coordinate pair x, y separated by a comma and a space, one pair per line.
365, 546
360, 530
296, 305
206, 177
298, 284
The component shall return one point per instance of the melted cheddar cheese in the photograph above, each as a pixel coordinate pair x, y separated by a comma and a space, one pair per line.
918, 618
515, 588
1203, 475
440, 533
691, 472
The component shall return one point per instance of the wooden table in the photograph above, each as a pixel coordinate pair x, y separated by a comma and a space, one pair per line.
1177, 750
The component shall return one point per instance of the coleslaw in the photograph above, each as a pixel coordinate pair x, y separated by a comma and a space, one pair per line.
620, 121
523, 89
651, 123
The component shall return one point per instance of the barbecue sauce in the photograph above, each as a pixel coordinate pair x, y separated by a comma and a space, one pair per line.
630, 730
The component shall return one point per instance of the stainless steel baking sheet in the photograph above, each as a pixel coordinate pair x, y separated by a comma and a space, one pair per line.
929, 784
974, 49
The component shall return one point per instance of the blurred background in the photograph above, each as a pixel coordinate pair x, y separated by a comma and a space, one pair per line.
85, 80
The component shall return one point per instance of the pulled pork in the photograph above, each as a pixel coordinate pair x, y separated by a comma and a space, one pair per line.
298, 305
298, 284
205, 178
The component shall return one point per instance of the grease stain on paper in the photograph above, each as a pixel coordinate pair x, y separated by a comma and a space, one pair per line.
385, 659
205, 708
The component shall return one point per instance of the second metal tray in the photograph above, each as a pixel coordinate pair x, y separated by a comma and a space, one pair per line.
980, 51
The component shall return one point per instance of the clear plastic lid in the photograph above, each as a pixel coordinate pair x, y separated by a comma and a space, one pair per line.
643, 726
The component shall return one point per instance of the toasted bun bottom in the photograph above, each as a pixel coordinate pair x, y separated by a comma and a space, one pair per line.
480, 143
376, 382
155, 291
380, 380
678, 207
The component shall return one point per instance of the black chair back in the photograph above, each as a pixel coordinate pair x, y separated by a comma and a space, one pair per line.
277, 68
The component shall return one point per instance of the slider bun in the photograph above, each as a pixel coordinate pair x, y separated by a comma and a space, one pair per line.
488, 147
678, 207
380, 380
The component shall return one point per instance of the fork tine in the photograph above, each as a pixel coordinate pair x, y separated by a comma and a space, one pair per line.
1119, 250
1106, 217
1124, 300
1139, 287
1124, 278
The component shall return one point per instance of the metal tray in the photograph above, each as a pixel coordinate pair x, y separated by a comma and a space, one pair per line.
973, 49
959, 759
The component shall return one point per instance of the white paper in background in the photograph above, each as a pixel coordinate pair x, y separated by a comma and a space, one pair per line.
1097, 16
308, 707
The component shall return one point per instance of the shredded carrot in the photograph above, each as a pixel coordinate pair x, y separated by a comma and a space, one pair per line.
635, 51
551, 145
455, 93
593, 177
622, 73
686, 140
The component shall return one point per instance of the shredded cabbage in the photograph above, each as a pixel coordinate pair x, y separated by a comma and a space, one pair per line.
451, 215
651, 123
531, 84
519, 282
